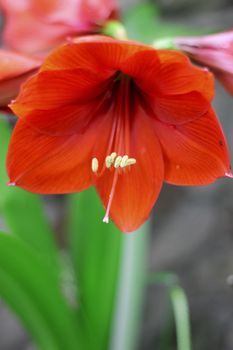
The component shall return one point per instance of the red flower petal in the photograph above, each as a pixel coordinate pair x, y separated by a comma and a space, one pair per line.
138, 187
14, 70
148, 59
81, 77
49, 90
42, 163
65, 120
46, 164
180, 109
96, 53
179, 77
172, 56
168, 73
194, 153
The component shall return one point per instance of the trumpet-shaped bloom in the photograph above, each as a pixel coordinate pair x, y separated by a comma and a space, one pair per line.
14, 69
120, 116
214, 51
39, 25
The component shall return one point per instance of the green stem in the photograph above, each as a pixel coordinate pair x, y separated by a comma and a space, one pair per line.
181, 313
131, 290
165, 43
179, 305
115, 29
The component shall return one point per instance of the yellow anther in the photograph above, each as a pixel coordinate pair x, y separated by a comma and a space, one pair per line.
108, 161
113, 156
131, 161
94, 165
123, 161
117, 162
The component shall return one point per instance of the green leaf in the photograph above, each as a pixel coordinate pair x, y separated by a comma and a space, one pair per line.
33, 293
96, 252
23, 211
181, 313
131, 291
179, 305
143, 22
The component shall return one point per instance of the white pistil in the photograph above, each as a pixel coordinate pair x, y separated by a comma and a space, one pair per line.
117, 162
106, 219
94, 165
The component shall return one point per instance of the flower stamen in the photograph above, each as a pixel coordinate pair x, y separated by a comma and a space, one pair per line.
117, 162
108, 162
113, 159
130, 161
123, 161
94, 165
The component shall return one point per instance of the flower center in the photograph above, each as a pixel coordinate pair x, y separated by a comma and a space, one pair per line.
118, 162
118, 150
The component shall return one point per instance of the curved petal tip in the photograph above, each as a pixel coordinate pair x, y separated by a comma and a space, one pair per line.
229, 174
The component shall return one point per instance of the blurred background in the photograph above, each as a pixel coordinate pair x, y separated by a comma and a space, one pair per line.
192, 228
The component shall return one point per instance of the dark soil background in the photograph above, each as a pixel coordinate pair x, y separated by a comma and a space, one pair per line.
192, 231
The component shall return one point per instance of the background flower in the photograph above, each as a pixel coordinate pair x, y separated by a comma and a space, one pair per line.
214, 51
36, 26
15, 68
39, 25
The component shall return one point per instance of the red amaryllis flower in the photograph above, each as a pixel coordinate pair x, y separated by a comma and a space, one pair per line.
120, 116
14, 69
214, 51
38, 25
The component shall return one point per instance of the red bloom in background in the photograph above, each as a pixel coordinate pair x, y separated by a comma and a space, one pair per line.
32, 26
14, 69
39, 25
214, 51
120, 116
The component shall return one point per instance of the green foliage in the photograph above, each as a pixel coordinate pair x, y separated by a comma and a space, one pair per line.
30, 271
71, 300
23, 211
32, 291
144, 23
181, 313
95, 252
180, 307
131, 291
